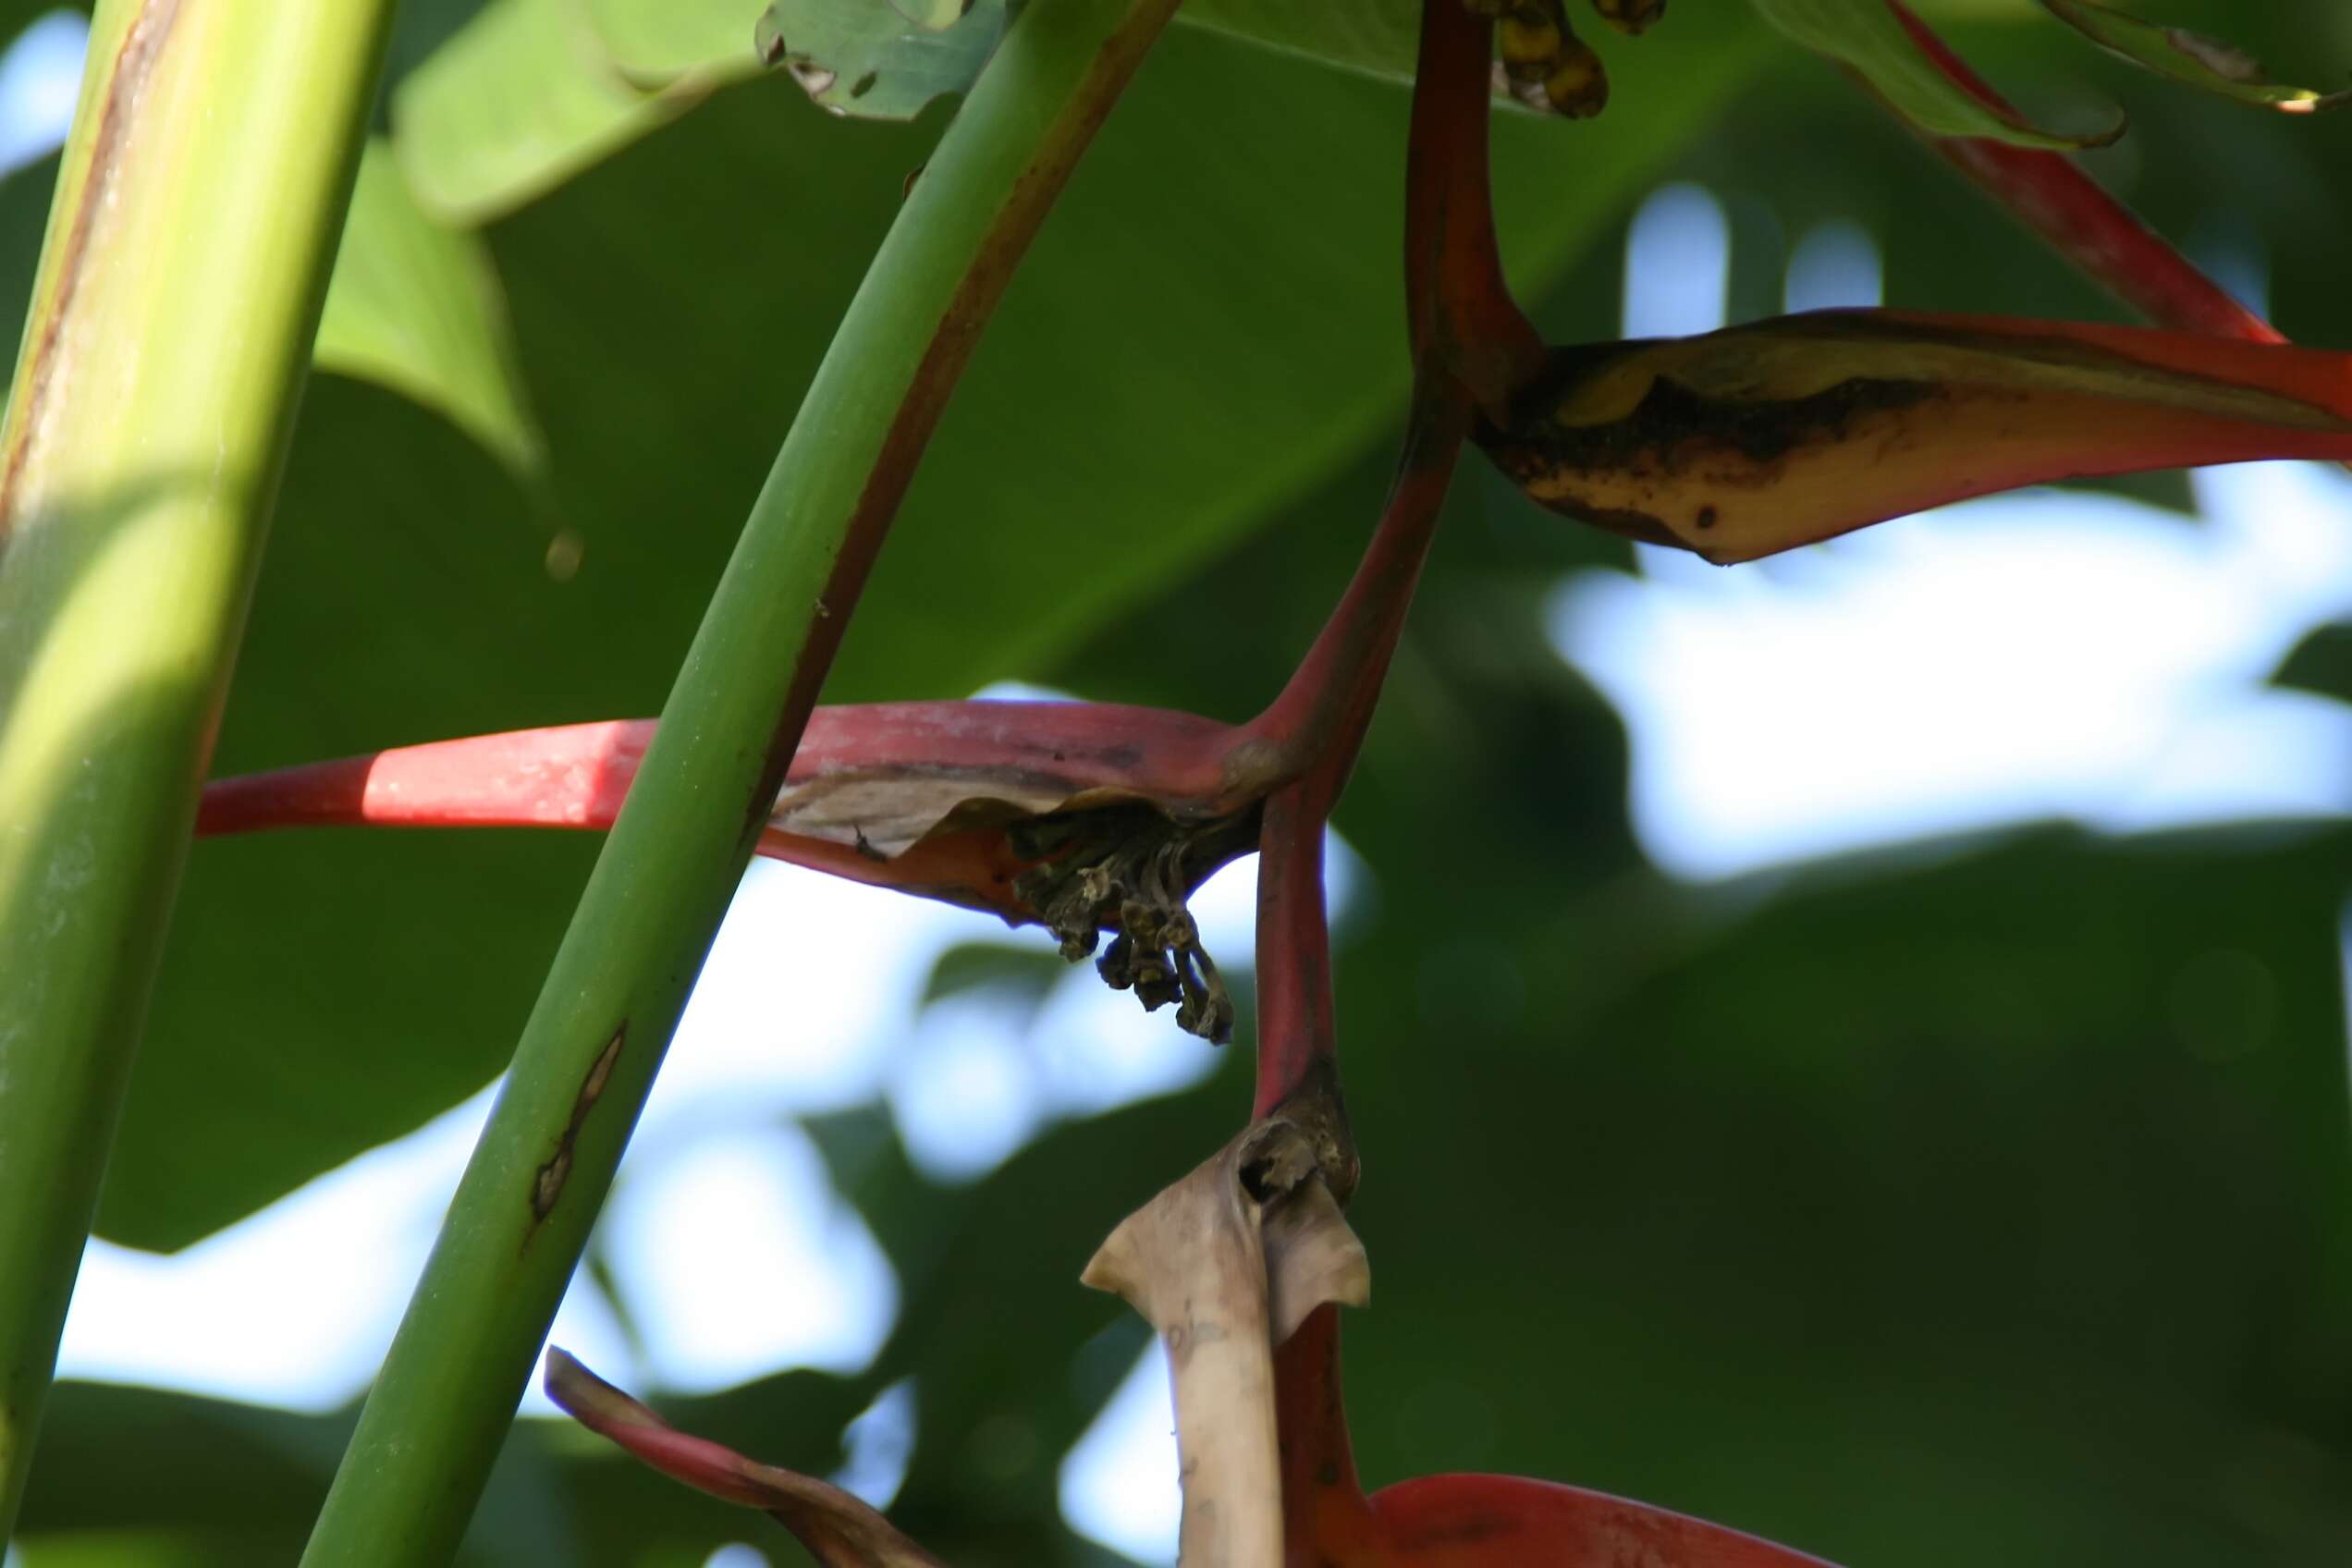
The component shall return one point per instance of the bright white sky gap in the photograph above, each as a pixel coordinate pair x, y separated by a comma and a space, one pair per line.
2008, 660
2049, 654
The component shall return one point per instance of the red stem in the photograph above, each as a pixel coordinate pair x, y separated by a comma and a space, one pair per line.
1458, 302
1319, 720
2050, 193
1295, 1012
1324, 708
576, 774
1470, 342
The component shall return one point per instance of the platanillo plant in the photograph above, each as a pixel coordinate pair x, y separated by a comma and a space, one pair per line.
1096, 821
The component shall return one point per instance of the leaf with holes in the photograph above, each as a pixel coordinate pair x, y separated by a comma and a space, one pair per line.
869, 59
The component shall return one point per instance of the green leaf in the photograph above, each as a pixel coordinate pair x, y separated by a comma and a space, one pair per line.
2190, 57
142, 1477
417, 307
1020, 976
18, 15
535, 90
1865, 36
1375, 37
2321, 663
520, 98
869, 59
655, 42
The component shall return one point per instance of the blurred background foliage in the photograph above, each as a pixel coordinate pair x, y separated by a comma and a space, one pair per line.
1981, 1202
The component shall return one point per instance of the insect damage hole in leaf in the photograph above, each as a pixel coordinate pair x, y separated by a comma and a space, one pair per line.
877, 60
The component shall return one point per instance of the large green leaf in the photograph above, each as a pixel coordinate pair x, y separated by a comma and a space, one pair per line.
1206, 329
1865, 36
1377, 37
532, 91
522, 97
657, 42
2190, 57
417, 307
135, 1478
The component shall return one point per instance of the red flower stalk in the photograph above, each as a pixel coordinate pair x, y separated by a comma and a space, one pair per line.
1459, 313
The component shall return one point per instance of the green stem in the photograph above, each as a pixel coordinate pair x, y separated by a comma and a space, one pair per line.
588, 1055
195, 217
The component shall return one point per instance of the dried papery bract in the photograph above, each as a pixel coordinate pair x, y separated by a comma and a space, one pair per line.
838, 1530
1225, 1264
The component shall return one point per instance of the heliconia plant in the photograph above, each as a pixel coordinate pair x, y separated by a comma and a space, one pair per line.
1093, 820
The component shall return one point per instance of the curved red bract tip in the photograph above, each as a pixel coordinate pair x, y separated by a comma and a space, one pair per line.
1463, 1521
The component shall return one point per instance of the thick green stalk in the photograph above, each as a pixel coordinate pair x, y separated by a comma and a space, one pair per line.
186, 258
589, 1053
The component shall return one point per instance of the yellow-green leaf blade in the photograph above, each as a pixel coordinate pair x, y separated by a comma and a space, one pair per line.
521, 98
655, 42
416, 306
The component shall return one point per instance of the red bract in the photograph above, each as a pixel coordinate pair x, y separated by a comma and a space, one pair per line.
1076, 816
838, 1530
1461, 1521
1758, 438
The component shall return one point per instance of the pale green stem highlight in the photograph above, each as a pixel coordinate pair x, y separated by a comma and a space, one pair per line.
187, 256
